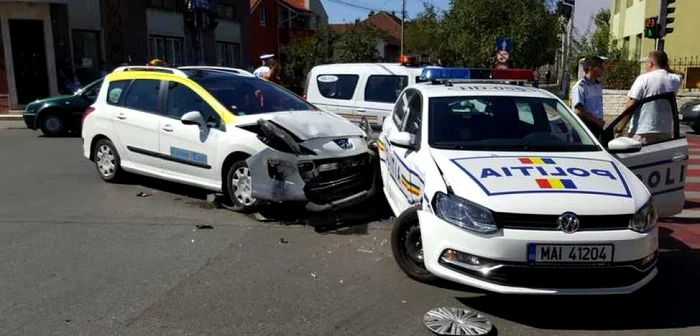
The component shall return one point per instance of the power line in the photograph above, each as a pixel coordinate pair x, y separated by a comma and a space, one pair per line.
349, 4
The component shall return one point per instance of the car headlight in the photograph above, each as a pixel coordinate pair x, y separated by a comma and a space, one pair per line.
645, 218
467, 215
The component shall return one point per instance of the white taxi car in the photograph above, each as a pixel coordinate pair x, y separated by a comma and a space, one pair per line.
225, 130
501, 187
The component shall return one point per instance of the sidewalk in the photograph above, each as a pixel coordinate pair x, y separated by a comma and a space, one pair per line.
14, 115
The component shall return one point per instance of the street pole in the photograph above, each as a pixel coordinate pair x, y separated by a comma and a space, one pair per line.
564, 85
403, 18
662, 24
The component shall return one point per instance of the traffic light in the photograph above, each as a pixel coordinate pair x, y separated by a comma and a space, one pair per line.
664, 11
651, 27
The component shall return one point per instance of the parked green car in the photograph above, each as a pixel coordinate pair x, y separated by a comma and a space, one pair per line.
56, 116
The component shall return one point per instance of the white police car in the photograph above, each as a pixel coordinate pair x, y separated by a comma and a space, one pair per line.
502, 187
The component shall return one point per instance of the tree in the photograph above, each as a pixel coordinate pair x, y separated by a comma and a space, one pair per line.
303, 53
357, 44
424, 34
472, 27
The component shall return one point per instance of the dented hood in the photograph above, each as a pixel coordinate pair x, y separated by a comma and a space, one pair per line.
314, 124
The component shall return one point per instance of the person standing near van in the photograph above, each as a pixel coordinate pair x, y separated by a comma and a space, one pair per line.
587, 96
654, 121
261, 71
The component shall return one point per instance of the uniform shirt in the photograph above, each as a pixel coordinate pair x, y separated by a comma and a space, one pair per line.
261, 71
589, 94
655, 116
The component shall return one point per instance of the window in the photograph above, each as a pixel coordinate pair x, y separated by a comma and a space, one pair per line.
228, 54
337, 86
616, 7
638, 47
91, 91
384, 88
182, 99
505, 123
400, 109
227, 12
263, 17
168, 49
87, 55
413, 120
630, 3
247, 96
143, 95
626, 45
115, 90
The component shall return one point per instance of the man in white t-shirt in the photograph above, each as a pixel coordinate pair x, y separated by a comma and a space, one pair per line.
654, 121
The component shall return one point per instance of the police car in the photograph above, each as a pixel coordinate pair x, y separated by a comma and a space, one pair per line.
226, 131
501, 187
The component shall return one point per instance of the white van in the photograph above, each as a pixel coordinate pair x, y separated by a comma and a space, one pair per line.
360, 89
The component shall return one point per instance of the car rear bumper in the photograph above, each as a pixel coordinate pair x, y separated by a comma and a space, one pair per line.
502, 266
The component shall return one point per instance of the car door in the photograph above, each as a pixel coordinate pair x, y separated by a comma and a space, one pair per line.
189, 151
404, 186
661, 166
378, 97
136, 118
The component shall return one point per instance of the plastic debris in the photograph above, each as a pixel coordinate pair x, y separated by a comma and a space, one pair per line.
143, 194
404, 301
204, 226
456, 321
313, 275
283, 241
193, 240
211, 198
341, 282
365, 251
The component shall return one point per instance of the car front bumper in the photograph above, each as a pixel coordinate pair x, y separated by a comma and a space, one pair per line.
29, 120
502, 265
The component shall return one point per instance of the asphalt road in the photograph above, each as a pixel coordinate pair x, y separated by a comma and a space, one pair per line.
82, 257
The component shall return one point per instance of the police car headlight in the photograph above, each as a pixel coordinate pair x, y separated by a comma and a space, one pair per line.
645, 218
467, 215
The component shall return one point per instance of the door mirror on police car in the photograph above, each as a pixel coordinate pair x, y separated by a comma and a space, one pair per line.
402, 139
624, 145
193, 118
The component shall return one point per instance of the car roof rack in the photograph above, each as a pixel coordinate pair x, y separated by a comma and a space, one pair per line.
150, 68
216, 68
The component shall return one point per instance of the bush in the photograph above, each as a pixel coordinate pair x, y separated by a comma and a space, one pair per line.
621, 74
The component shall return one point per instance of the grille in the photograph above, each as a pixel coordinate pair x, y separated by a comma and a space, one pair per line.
549, 222
340, 178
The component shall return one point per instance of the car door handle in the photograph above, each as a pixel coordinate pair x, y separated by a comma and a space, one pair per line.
121, 116
167, 128
679, 157
361, 110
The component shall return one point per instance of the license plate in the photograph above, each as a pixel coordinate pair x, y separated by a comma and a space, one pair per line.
569, 254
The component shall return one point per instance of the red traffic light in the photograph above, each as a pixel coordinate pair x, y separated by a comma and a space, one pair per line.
650, 22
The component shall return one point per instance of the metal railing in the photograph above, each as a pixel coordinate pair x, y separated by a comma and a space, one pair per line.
682, 65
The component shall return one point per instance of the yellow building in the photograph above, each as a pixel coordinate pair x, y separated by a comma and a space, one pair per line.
627, 27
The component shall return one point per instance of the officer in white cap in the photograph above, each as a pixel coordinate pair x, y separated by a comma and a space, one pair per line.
263, 69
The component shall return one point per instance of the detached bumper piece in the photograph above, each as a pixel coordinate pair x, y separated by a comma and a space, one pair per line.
540, 277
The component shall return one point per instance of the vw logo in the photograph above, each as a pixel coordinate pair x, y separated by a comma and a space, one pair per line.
568, 222
343, 143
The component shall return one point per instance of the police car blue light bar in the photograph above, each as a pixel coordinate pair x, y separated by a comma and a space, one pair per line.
437, 74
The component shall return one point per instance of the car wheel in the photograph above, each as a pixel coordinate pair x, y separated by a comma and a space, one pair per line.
240, 188
52, 125
407, 247
107, 161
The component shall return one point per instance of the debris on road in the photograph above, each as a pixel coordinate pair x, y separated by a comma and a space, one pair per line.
193, 240
313, 275
143, 194
365, 251
283, 241
456, 321
203, 226
341, 282
404, 301
260, 218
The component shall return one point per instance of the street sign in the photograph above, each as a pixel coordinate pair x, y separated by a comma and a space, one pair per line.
504, 44
502, 56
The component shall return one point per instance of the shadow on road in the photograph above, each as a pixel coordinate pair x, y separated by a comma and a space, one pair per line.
670, 301
167, 186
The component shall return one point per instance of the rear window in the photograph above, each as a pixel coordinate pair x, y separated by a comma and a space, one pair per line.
143, 95
384, 88
115, 93
337, 86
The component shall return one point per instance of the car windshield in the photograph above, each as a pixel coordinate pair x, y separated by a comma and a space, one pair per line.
246, 96
505, 123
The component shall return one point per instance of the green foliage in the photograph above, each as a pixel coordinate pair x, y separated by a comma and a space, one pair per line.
357, 44
621, 74
425, 34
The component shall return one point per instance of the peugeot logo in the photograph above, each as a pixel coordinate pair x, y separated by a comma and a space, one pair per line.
343, 143
568, 222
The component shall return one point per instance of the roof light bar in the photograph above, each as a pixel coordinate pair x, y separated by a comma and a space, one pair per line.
436, 74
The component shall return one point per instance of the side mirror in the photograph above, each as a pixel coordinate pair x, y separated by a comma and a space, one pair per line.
402, 139
624, 145
193, 118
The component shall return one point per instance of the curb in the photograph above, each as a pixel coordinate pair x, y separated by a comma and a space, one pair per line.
11, 117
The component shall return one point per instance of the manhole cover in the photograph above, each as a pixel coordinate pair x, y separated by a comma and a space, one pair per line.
456, 321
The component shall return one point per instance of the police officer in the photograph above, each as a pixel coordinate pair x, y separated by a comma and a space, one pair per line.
263, 69
587, 96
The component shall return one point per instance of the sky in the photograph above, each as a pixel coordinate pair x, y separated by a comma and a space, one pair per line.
342, 13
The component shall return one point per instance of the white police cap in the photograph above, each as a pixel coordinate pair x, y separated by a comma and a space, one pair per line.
267, 57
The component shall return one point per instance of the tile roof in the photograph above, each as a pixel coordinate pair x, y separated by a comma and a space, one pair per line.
299, 5
384, 22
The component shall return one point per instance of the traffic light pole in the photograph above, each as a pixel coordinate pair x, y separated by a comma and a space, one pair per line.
662, 25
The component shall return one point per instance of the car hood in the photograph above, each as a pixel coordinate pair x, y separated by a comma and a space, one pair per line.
50, 100
543, 183
308, 124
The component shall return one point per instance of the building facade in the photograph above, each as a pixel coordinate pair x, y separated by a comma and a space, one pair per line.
388, 25
46, 45
627, 27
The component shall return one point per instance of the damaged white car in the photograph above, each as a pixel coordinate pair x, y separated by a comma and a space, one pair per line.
226, 131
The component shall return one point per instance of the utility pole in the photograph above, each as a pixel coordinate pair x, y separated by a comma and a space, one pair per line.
403, 18
567, 8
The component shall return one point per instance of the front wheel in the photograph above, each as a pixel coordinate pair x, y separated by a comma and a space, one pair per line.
52, 125
239, 187
407, 247
107, 161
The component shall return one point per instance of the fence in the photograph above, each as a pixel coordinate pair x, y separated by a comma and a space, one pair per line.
690, 68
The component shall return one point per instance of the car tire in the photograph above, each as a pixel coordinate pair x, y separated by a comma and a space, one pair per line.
107, 161
52, 125
239, 188
407, 247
